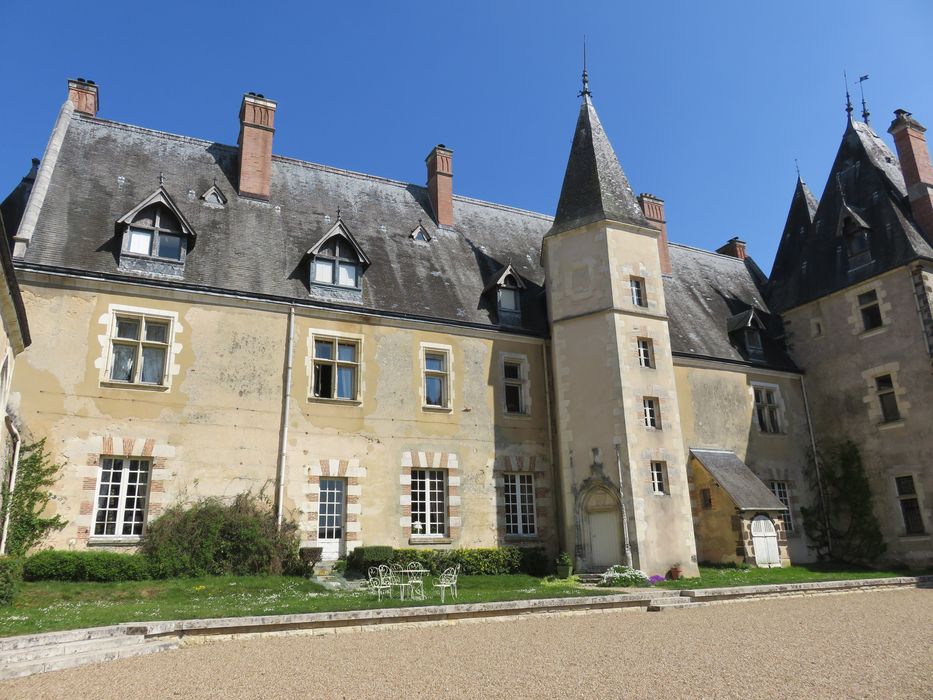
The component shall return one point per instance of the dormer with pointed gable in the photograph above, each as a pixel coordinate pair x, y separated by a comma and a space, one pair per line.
155, 236
507, 286
336, 261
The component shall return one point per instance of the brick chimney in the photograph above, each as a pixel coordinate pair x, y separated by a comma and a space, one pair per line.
653, 208
441, 184
257, 121
915, 165
734, 247
83, 95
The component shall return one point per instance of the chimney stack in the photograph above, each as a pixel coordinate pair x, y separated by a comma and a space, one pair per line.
257, 121
440, 184
915, 165
653, 208
83, 95
734, 247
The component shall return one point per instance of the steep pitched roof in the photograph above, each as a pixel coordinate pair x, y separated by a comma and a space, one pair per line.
747, 491
865, 182
595, 188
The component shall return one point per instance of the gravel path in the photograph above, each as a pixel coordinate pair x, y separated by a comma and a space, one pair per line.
874, 644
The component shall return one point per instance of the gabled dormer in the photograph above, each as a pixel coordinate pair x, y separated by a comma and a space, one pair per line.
854, 231
746, 331
214, 197
337, 260
420, 234
155, 236
507, 287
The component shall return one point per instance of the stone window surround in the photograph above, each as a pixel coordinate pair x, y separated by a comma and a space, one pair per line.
781, 408
870, 398
783, 474
855, 319
525, 374
109, 323
156, 499
900, 527
448, 350
431, 460
348, 469
325, 333
508, 464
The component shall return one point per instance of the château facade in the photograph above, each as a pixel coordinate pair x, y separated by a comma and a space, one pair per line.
397, 364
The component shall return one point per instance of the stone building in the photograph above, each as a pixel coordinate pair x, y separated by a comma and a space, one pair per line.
397, 364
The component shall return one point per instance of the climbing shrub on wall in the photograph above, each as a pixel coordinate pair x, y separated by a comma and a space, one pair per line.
35, 477
841, 524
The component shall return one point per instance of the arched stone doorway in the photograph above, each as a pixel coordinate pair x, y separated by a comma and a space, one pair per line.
602, 528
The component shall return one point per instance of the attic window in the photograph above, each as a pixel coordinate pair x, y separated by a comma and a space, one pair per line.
336, 263
155, 232
420, 234
214, 197
753, 341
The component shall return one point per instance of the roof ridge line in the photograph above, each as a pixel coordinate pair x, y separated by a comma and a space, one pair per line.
703, 250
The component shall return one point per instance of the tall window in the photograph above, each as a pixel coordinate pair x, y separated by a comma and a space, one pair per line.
884, 385
428, 502
155, 232
520, 504
781, 490
910, 506
870, 310
330, 513
121, 497
514, 387
139, 349
336, 263
436, 378
638, 291
659, 478
652, 409
753, 341
510, 301
336, 369
766, 407
706, 499
645, 353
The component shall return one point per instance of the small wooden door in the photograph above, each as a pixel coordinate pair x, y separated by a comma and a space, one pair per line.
765, 542
605, 542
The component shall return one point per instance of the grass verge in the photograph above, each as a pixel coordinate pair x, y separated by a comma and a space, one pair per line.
718, 577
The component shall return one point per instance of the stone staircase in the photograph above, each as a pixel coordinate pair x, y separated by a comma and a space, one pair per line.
38, 653
672, 602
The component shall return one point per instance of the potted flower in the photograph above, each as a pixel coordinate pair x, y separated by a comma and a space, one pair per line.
676, 571
564, 565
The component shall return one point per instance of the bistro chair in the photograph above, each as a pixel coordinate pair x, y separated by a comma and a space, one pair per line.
377, 584
416, 574
398, 580
448, 581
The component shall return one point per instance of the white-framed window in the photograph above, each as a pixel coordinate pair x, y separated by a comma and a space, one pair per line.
336, 368
910, 505
645, 353
870, 310
331, 509
429, 502
659, 478
139, 349
520, 505
436, 375
122, 491
766, 409
510, 300
155, 232
781, 489
637, 285
515, 384
336, 263
652, 412
884, 387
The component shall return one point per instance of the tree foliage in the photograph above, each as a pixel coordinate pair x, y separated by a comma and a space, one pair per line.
842, 525
36, 475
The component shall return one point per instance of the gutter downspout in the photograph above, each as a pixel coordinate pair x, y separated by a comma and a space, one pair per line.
558, 491
625, 538
283, 430
14, 433
816, 464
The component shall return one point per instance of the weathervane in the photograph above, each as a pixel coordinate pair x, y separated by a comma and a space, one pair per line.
865, 112
585, 92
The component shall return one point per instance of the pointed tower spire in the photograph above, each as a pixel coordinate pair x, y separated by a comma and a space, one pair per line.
585, 92
848, 98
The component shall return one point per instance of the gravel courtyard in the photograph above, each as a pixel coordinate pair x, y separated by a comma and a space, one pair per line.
875, 644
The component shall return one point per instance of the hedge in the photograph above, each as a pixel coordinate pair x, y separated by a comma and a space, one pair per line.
11, 572
490, 561
56, 565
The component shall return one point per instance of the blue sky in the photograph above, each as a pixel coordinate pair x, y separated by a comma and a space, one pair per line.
707, 104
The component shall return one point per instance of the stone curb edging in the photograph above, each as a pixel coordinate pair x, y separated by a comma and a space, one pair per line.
739, 592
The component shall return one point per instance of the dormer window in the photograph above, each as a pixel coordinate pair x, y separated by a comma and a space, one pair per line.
509, 298
337, 260
855, 231
155, 236
753, 341
745, 329
508, 287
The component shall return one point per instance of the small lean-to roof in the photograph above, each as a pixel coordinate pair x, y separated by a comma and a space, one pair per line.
19, 335
745, 489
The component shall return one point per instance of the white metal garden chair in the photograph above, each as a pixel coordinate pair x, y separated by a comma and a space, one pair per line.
377, 583
399, 580
416, 574
448, 581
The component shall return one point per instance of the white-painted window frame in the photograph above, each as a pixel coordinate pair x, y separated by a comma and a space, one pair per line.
446, 375
434, 527
521, 486
659, 482
118, 311
645, 350
651, 412
122, 496
781, 491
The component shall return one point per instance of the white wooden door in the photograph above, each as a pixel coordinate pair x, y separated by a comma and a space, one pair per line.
330, 519
605, 549
764, 539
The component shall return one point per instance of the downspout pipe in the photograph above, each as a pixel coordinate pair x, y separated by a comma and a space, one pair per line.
816, 464
283, 430
17, 440
558, 484
625, 538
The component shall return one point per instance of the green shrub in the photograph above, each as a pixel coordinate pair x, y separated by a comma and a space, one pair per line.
362, 558
55, 565
214, 538
11, 572
340, 566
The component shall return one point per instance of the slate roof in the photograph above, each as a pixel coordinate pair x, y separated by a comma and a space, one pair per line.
745, 489
105, 169
816, 263
595, 187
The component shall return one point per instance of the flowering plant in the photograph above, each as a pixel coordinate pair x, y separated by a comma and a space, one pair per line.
620, 575
656, 579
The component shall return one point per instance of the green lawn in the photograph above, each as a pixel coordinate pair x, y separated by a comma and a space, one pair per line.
717, 577
44, 606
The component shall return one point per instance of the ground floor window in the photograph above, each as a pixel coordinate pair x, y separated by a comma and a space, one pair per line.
121, 497
520, 504
910, 505
782, 491
330, 514
429, 502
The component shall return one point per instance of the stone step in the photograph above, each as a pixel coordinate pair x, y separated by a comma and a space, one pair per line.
63, 637
45, 651
110, 653
659, 604
589, 578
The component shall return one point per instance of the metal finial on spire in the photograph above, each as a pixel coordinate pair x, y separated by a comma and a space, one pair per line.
797, 165
585, 92
865, 112
848, 99
338, 213
161, 179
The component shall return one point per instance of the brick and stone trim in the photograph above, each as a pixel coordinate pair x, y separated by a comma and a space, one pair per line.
432, 460
745, 546
511, 464
349, 470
